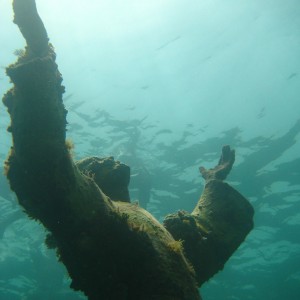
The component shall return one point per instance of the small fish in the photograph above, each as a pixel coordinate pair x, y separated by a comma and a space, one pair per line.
262, 113
168, 43
292, 76
67, 97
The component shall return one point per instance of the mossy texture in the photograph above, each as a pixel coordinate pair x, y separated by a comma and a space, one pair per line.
218, 225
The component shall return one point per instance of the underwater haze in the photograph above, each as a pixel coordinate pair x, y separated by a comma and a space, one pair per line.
162, 85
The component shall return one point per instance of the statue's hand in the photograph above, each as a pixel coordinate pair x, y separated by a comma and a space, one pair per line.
223, 168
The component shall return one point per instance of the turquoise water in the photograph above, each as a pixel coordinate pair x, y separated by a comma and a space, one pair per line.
162, 85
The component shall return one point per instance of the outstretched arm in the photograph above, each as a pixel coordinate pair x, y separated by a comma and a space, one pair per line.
39, 161
38, 116
40, 170
219, 223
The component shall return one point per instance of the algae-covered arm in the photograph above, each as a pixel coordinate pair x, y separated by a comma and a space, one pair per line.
219, 223
38, 117
40, 170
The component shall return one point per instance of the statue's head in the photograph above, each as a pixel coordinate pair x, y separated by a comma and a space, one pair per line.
111, 176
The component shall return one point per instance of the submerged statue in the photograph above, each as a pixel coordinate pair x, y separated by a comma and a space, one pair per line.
111, 248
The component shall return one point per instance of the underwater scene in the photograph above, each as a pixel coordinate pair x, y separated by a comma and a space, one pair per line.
161, 86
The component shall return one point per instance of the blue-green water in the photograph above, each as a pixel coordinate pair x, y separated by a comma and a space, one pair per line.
162, 85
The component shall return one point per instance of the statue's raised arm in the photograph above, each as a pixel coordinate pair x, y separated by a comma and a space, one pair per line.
39, 156
111, 248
